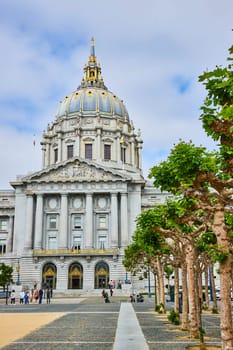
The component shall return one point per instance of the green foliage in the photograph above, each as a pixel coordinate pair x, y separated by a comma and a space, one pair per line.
217, 109
174, 317
183, 166
5, 274
134, 256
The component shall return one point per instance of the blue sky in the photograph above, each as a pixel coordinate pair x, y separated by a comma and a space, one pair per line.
151, 54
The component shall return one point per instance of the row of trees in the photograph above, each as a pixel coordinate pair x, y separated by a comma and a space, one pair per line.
195, 229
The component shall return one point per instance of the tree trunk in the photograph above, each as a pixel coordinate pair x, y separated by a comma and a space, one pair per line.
207, 300
225, 281
176, 288
161, 282
190, 259
185, 309
212, 280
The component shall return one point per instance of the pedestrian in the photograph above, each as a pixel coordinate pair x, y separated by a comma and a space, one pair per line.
48, 295
111, 291
21, 297
36, 295
103, 293
26, 298
40, 295
13, 296
106, 298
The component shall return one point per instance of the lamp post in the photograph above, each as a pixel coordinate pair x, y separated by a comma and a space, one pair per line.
148, 277
18, 273
7, 291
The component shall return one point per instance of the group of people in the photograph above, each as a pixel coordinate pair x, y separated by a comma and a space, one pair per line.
106, 296
139, 298
35, 295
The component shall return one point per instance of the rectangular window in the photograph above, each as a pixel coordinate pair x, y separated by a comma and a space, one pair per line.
102, 222
102, 242
2, 246
70, 151
52, 222
88, 151
55, 155
77, 222
3, 224
107, 152
123, 154
77, 243
52, 243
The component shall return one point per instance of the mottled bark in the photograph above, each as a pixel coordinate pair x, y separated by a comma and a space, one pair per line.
160, 270
207, 300
225, 280
176, 288
190, 260
185, 307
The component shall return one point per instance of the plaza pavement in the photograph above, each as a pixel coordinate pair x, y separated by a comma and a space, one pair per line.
91, 324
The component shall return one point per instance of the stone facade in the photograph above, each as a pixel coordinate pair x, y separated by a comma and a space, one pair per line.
67, 225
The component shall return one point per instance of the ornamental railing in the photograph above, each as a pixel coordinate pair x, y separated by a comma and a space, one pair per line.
82, 252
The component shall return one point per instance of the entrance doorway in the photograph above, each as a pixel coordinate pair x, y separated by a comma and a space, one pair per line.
75, 276
101, 275
49, 276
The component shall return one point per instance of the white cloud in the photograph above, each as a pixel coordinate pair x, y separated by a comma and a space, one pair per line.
146, 50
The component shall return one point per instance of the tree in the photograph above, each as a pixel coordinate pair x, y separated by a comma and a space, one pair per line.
5, 275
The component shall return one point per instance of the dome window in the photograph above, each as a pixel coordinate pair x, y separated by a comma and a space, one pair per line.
70, 151
107, 152
88, 150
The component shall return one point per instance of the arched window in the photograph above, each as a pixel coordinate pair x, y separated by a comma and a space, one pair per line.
75, 280
101, 275
49, 276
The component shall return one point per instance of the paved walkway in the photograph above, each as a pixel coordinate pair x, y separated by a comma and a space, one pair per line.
129, 334
90, 324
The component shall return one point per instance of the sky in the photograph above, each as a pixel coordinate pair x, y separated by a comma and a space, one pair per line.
151, 54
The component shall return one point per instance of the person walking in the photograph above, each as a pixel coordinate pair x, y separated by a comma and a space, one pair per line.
40, 295
21, 297
13, 296
48, 295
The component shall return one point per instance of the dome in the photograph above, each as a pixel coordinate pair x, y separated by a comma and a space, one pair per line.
92, 100
92, 97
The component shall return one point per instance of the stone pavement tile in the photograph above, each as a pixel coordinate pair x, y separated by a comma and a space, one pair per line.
162, 335
82, 329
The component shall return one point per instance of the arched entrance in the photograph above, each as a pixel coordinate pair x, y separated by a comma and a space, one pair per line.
101, 275
49, 276
75, 280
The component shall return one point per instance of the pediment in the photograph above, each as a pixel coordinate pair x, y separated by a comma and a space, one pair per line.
76, 171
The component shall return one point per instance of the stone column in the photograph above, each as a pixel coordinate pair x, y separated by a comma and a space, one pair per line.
114, 220
132, 152
39, 222
124, 220
139, 156
59, 147
98, 132
63, 222
29, 223
89, 220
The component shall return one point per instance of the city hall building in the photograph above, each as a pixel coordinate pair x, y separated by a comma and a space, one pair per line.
68, 224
